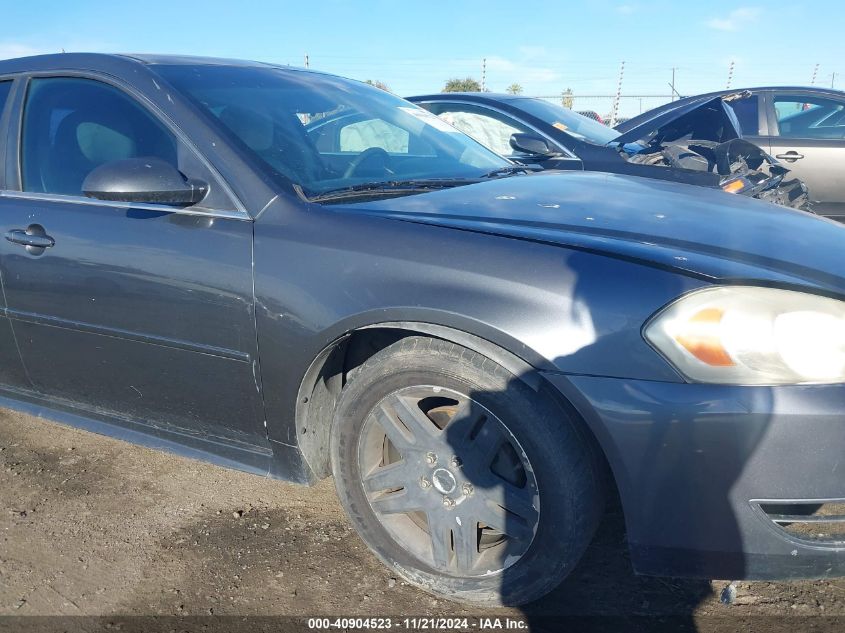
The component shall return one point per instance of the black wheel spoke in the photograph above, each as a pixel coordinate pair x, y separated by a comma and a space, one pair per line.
516, 501
412, 417
396, 475
441, 541
494, 516
467, 416
396, 503
394, 429
465, 535
486, 444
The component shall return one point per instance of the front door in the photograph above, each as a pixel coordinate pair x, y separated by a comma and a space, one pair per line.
139, 312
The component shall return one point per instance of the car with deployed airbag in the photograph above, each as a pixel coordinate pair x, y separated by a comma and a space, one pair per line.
197, 259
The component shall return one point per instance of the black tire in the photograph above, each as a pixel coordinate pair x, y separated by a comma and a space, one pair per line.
554, 466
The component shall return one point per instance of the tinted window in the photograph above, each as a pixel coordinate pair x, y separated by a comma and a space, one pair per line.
747, 114
72, 126
810, 117
289, 121
486, 126
5, 88
574, 124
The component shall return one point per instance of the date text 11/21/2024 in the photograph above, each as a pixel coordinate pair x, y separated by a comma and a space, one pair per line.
419, 623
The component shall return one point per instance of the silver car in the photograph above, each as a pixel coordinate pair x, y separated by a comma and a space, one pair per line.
802, 127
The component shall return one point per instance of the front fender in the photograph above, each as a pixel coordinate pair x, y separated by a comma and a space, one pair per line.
321, 273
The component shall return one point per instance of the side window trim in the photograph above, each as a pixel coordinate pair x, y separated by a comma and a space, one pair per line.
15, 146
8, 133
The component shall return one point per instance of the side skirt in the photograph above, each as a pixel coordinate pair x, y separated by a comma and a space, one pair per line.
278, 461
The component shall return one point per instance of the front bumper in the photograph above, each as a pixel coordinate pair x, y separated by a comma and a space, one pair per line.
692, 463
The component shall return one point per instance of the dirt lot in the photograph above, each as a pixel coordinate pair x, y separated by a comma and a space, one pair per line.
93, 526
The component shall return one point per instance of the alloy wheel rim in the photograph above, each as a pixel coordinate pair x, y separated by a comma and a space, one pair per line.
448, 481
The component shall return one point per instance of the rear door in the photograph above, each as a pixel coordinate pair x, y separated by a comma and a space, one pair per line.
139, 312
807, 133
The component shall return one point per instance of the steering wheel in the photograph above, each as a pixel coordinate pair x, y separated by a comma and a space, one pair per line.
369, 154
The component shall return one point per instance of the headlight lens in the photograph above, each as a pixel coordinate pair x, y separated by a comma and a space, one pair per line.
752, 336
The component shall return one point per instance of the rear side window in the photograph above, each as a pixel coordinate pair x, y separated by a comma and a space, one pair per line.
5, 89
71, 126
746, 112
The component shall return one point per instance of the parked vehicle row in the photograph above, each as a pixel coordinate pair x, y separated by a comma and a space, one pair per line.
302, 276
698, 143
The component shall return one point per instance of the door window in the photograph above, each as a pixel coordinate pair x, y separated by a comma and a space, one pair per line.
72, 125
810, 117
486, 126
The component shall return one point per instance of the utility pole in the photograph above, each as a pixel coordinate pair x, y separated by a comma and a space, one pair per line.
307, 65
672, 84
618, 96
832, 79
815, 73
730, 75
484, 75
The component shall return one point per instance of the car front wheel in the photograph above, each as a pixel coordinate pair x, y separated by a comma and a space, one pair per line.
461, 478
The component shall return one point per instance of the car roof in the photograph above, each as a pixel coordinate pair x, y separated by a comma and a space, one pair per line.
107, 61
474, 96
638, 120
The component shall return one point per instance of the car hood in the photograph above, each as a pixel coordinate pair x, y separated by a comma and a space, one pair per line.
718, 117
690, 229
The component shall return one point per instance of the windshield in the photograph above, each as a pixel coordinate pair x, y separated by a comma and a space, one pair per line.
574, 124
325, 133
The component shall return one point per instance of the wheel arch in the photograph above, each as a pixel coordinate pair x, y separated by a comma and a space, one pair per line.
337, 362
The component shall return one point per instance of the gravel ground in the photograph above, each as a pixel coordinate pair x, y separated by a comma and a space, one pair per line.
91, 526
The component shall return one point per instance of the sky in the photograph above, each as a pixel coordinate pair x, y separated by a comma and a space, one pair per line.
414, 47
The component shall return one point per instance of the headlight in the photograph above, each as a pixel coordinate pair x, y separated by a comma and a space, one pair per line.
752, 336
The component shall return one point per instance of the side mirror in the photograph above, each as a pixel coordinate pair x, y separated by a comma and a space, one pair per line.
531, 144
148, 180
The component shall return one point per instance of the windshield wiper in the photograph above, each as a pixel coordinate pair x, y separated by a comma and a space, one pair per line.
510, 170
390, 187
406, 187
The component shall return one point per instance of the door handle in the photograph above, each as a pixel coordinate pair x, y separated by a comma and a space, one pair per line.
34, 238
790, 156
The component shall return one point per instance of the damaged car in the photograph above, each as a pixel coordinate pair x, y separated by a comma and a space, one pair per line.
699, 145
198, 259
803, 127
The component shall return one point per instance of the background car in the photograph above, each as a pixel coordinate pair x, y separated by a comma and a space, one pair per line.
802, 127
698, 145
